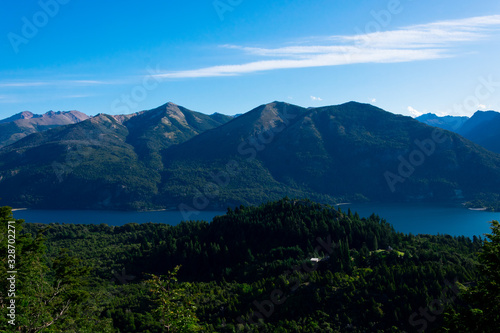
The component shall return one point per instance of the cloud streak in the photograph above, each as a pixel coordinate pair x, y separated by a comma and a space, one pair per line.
22, 84
414, 112
414, 43
27, 84
7, 99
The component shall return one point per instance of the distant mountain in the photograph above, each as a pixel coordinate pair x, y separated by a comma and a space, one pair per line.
450, 123
482, 128
19, 116
22, 124
102, 162
171, 157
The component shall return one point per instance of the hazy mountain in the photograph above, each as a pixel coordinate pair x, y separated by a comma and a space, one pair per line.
450, 123
25, 123
483, 128
172, 156
18, 116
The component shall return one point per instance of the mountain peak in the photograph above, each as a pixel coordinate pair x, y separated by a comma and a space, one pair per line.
489, 113
26, 114
427, 116
450, 123
271, 115
166, 106
480, 118
354, 103
27, 118
22, 124
18, 116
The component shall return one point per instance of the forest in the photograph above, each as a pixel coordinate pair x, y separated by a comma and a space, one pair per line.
284, 266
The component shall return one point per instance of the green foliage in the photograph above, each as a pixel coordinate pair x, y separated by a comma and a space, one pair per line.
176, 308
483, 299
233, 267
46, 298
490, 202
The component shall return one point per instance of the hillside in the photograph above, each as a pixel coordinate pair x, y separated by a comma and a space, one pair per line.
103, 162
482, 128
347, 152
171, 157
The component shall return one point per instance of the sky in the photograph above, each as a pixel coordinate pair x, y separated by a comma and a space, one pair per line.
229, 56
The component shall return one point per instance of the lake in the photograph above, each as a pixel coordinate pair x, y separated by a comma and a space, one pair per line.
422, 218
425, 218
115, 218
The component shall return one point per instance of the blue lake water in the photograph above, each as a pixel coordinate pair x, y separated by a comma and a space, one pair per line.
115, 218
415, 218
433, 219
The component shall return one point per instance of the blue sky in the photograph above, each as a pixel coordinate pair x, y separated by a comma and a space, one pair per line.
228, 56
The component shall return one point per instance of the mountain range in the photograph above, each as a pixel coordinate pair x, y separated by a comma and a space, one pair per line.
25, 123
174, 158
482, 128
450, 123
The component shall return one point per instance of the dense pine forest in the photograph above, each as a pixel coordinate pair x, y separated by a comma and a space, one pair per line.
284, 266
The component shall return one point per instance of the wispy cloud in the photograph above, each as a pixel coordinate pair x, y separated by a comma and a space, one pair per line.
414, 43
79, 96
414, 112
27, 84
22, 84
314, 98
7, 99
88, 82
